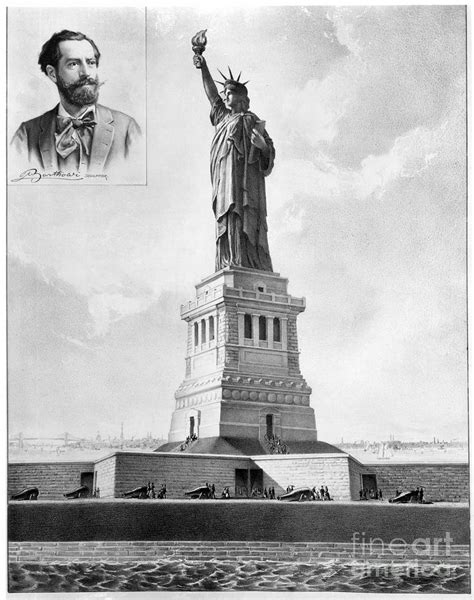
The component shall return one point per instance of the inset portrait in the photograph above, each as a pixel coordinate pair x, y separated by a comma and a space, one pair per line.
79, 115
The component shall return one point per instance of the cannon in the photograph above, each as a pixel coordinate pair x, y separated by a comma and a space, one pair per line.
27, 494
300, 494
404, 497
81, 492
407, 497
138, 492
200, 492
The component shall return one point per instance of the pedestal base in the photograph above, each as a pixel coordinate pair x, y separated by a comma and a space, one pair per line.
242, 365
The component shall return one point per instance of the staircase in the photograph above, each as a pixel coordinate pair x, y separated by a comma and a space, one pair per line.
275, 445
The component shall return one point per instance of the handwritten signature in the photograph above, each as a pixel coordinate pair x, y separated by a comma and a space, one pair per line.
33, 176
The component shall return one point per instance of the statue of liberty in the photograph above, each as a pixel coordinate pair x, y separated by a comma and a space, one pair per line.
242, 155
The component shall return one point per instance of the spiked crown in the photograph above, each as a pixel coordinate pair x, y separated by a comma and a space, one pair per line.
231, 82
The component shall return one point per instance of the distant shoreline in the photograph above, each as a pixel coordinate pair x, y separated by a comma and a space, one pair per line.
451, 455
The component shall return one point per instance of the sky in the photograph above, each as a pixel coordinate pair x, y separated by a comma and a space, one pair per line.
366, 216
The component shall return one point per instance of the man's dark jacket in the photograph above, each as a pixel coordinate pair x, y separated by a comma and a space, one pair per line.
114, 134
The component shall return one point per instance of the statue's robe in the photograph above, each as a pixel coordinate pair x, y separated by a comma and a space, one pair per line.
238, 169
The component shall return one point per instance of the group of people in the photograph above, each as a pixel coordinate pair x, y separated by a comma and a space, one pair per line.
371, 494
256, 492
270, 493
266, 493
322, 493
152, 493
419, 494
275, 445
212, 490
187, 441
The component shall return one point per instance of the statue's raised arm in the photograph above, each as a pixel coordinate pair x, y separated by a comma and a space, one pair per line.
207, 81
198, 43
242, 155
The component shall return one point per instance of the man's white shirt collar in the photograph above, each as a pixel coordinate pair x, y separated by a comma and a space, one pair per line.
62, 112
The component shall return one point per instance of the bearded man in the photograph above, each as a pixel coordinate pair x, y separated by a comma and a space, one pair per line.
242, 155
78, 135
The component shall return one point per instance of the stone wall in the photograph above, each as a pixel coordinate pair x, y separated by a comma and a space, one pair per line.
447, 482
332, 471
53, 479
105, 476
293, 351
123, 471
230, 323
356, 470
306, 552
298, 423
180, 472
221, 335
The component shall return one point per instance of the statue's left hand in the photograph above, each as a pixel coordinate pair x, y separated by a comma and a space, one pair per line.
258, 140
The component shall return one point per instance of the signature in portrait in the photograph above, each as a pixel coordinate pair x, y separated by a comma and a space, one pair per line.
34, 176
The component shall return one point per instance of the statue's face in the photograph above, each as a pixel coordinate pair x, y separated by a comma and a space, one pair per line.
232, 100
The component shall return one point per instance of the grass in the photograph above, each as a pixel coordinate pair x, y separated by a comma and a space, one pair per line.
83, 520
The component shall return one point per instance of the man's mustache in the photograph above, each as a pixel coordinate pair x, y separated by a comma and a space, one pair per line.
85, 81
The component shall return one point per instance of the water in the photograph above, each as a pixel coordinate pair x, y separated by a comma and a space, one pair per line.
248, 575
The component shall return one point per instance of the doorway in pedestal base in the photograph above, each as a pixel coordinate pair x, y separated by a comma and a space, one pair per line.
248, 483
369, 487
88, 480
256, 483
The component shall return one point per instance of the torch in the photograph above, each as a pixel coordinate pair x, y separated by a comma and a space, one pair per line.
198, 43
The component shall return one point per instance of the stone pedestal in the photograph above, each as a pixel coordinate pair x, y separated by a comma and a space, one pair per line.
242, 375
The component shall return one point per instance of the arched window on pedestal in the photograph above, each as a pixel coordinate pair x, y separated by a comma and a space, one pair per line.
248, 326
211, 328
276, 329
269, 422
262, 328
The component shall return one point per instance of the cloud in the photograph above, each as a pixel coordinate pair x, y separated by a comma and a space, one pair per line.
298, 184
75, 342
316, 109
409, 156
344, 20
63, 377
106, 308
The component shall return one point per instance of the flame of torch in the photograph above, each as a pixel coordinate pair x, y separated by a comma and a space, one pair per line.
199, 42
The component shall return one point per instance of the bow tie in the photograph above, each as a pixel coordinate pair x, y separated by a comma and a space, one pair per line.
74, 133
86, 120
